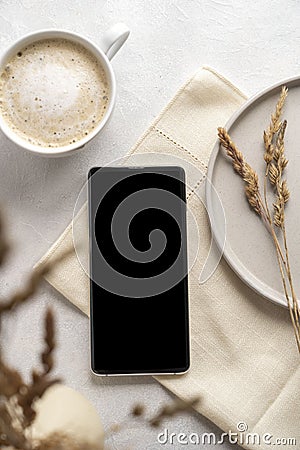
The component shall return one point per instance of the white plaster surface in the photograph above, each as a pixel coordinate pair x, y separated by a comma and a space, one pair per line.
253, 43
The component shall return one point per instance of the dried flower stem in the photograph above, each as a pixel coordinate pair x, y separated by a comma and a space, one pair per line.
243, 169
279, 211
32, 285
294, 321
252, 190
273, 128
47, 355
166, 411
4, 247
275, 164
172, 410
294, 297
40, 380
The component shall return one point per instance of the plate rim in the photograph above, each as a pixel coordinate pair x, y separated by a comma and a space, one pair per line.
227, 253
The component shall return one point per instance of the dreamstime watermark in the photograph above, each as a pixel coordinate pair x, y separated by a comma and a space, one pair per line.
239, 437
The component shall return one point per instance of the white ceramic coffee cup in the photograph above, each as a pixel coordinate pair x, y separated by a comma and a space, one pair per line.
111, 41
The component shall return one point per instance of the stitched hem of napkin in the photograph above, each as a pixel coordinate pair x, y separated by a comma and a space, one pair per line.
165, 134
153, 126
226, 81
191, 154
178, 145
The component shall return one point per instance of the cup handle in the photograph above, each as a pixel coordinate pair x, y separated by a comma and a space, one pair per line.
113, 39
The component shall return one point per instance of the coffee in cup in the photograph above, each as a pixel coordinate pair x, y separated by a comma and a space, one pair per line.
53, 92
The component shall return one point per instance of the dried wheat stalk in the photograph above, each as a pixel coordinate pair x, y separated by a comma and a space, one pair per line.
275, 166
275, 175
243, 169
31, 286
166, 411
274, 126
3, 243
276, 162
40, 380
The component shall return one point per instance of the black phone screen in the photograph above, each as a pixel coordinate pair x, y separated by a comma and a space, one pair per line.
138, 270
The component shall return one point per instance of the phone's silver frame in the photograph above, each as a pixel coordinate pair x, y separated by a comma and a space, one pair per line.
137, 374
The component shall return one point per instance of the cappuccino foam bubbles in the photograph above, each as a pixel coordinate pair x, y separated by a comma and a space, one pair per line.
53, 93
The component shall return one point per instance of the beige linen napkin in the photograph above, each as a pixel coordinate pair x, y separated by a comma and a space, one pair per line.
244, 361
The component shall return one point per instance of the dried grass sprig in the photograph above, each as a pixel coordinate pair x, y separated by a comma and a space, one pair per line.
274, 172
279, 155
4, 246
40, 380
276, 162
282, 197
49, 339
275, 177
11, 381
271, 150
243, 169
165, 412
168, 411
24, 294
31, 286
274, 126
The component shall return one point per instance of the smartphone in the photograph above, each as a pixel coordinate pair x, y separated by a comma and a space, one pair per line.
139, 315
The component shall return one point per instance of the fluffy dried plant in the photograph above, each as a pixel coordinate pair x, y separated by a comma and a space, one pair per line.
276, 162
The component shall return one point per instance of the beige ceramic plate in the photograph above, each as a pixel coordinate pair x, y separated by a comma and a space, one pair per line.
249, 249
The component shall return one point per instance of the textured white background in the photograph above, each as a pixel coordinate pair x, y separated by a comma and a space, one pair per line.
253, 43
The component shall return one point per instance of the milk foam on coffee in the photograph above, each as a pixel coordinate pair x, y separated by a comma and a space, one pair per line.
53, 93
